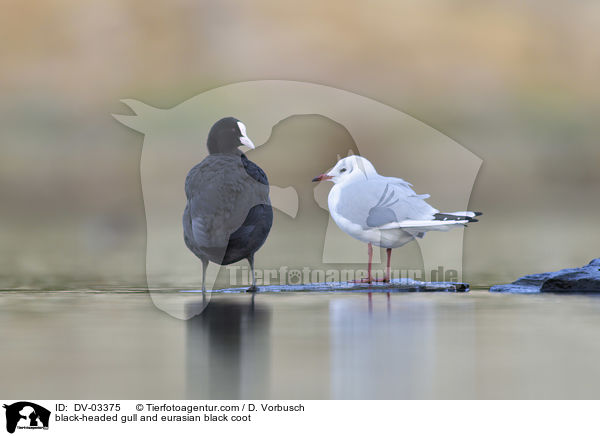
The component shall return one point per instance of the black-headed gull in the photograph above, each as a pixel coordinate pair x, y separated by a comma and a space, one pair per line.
383, 211
228, 214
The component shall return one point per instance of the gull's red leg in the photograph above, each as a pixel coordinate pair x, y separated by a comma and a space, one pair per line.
389, 258
369, 278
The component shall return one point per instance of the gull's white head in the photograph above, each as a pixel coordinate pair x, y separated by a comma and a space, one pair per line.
347, 169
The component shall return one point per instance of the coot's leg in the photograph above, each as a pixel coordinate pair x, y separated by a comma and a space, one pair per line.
252, 288
204, 266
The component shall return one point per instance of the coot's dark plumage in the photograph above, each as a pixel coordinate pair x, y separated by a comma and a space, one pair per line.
228, 213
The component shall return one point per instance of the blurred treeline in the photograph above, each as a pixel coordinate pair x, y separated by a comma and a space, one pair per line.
514, 82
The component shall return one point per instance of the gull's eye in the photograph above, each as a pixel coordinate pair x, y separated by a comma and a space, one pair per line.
343, 170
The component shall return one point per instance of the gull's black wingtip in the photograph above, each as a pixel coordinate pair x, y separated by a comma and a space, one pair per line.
478, 213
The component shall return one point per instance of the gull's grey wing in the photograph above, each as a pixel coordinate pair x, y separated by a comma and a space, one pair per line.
383, 213
377, 202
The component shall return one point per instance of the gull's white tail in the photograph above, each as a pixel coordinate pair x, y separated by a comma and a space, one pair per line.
440, 222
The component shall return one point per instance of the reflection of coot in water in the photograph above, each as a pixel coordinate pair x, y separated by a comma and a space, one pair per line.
228, 213
228, 350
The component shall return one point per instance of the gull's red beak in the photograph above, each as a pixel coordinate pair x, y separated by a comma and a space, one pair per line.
321, 177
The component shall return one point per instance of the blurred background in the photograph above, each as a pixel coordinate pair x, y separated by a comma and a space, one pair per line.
514, 82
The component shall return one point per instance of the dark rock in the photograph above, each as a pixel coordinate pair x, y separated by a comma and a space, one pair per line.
570, 280
576, 281
595, 262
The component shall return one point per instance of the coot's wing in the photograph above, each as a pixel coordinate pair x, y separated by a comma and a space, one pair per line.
257, 224
220, 194
255, 171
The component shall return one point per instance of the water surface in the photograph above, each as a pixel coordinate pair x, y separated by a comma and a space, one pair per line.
101, 345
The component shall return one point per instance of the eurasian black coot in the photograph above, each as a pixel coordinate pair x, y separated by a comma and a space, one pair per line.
228, 214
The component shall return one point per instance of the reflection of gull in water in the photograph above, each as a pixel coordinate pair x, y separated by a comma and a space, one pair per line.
384, 211
380, 353
403, 348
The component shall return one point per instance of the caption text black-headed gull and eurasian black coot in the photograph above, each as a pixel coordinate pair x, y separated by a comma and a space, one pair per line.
228, 214
383, 211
